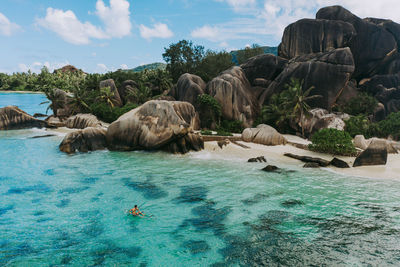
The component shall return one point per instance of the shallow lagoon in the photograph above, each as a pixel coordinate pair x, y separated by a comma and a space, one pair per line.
58, 209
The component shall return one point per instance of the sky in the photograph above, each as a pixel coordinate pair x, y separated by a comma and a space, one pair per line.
106, 35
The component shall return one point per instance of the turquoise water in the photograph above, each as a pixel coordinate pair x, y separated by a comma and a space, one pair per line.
58, 209
29, 103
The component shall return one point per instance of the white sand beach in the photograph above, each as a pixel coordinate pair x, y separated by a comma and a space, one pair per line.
274, 156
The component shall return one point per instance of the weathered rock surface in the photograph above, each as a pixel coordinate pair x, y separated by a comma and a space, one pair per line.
311, 165
11, 118
319, 161
263, 134
321, 119
270, 168
111, 84
223, 143
265, 66
328, 72
88, 139
61, 106
338, 163
82, 121
373, 46
55, 121
258, 159
162, 125
234, 92
360, 142
375, 154
127, 91
188, 88
309, 36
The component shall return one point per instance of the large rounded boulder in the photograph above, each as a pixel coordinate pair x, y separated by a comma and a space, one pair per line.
12, 118
263, 134
89, 139
375, 154
82, 121
156, 125
309, 36
188, 88
236, 96
328, 72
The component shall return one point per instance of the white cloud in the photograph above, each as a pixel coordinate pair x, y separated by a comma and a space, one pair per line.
159, 30
124, 66
239, 5
206, 32
37, 66
7, 27
116, 19
101, 68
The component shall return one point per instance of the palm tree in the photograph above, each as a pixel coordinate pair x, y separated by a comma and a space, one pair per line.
107, 95
56, 98
298, 100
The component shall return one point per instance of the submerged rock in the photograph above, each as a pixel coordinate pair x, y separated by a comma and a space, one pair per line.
265, 135
156, 125
270, 168
258, 159
12, 118
89, 139
375, 154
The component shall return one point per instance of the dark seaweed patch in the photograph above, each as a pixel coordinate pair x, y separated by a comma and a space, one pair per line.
73, 190
291, 203
50, 172
109, 249
94, 199
196, 246
46, 219
4, 210
63, 203
93, 229
147, 188
255, 199
39, 188
63, 240
192, 194
90, 214
66, 260
89, 180
39, 213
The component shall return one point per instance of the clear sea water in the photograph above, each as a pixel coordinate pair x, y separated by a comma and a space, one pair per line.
61, 210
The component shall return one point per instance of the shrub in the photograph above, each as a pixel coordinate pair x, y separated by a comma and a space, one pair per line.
231, 126
389, 126
363, 104
358, 125
224, 133
332, 141
206, 132
108, 114
210, 110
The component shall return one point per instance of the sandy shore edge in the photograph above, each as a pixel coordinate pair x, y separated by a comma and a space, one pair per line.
274, 156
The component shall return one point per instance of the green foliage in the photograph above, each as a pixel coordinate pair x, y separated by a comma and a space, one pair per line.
212, 64
206, 132
210, 110
109, 114
231, 126
363, 104
332, 141
224, 133
249, 52
388, 127
358, 125
152, 66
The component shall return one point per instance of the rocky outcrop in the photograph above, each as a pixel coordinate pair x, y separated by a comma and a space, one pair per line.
321, 119
60, 103
360, 142
82, 121
234, 92
338, 163
156, 125
116, 99
375, 154
319, 161
188, 88
12, 118
89, 139
258, 159
265, 135
373, 47
266, 67
270, 168
127, 91
309, 36
328, 72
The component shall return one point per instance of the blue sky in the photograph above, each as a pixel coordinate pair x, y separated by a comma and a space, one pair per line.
104, 35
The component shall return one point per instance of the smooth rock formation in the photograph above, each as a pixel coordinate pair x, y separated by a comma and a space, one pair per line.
360, 142
270, 168
309, 36
321, 119
375, 154
156, 125
338, 163
266, 67
60, 104
373, 47
263, 134
12, 118
188, 88
328, 72
88, 139
234, 92
55, 121
82, 121
111, 84
319, 161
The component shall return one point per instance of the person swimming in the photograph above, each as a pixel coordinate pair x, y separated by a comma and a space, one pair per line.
136, 212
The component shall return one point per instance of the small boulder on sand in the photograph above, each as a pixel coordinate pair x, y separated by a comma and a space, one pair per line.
265, 135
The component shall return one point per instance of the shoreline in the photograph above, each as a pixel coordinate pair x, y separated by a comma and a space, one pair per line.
21, 92
274, 156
